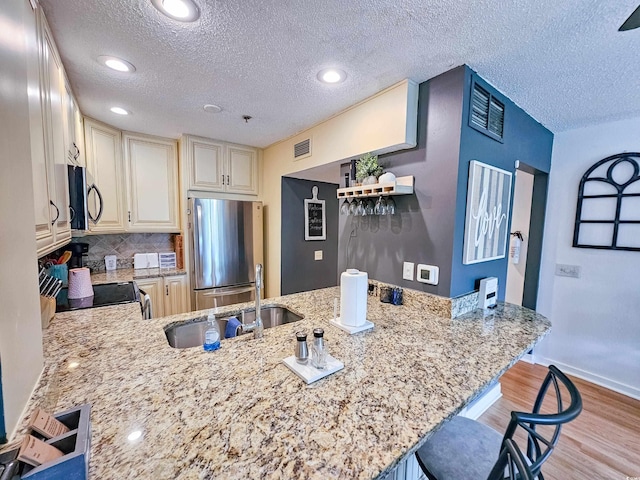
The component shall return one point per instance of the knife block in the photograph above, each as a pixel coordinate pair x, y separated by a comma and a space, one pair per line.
47, 310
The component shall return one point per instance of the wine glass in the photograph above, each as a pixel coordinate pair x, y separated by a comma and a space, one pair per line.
369, 208
381, 206
344, 208
360, 210
391, 206
353, 207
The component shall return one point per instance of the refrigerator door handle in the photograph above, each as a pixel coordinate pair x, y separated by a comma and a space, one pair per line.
196, 234
233, 290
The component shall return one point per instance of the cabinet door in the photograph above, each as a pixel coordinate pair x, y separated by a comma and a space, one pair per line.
106, 172
79, 129
242, 167
176, 295
73, 129
205, 160
153, 287
44, 212
55, 151
152, 172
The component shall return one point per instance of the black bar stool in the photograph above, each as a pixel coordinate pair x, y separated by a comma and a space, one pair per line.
463, 449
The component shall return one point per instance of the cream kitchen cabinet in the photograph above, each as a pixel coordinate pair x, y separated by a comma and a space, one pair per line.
49, 161
176, 299
168, 295
74, 131
220, 167
105, 178
151, 165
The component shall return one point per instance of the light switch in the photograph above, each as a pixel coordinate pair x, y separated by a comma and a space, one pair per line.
317, 255
407, 270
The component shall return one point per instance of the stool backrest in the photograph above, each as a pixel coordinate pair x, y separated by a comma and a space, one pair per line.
512, 463
539, 445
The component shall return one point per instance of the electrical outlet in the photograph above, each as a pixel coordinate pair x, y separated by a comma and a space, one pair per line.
407, 270
572, 271
317, 255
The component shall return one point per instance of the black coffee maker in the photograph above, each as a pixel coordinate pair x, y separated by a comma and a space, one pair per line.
78, 252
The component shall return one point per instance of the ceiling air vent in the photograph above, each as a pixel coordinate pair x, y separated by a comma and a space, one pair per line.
486, 113
302, 149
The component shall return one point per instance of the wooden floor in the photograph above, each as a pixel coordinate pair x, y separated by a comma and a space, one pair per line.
602, 443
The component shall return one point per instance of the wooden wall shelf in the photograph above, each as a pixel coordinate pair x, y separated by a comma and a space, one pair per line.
402, 186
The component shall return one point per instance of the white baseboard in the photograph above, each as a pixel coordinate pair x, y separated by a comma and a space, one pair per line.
529, 358
482, 403
622, 388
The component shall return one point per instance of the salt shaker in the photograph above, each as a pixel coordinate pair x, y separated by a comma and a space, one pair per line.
302, 352
319, 357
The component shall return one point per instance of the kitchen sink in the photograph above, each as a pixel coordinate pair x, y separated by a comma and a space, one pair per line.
191, 334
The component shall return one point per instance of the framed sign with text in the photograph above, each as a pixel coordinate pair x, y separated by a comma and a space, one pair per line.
315, 222
488, 203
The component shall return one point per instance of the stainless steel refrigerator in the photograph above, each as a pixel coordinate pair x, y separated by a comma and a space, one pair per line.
226, 244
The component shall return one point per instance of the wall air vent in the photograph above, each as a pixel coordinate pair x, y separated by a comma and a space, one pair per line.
486, 113
302, 149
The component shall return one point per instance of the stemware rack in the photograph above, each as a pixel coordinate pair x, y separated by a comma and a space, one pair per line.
402, 186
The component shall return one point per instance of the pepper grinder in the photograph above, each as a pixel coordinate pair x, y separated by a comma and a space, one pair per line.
302, 351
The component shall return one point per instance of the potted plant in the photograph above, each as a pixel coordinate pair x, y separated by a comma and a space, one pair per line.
367, 169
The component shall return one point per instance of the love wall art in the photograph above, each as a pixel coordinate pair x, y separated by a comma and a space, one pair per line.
488, 203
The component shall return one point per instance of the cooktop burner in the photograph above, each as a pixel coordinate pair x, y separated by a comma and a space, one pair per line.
103, 295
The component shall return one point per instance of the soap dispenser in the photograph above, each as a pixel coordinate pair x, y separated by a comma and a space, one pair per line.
211, 335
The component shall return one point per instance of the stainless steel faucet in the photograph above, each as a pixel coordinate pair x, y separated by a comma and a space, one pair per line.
257, 326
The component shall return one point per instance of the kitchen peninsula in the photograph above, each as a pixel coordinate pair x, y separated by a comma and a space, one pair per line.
240, 413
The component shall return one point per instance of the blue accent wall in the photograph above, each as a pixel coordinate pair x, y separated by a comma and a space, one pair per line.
524, 139
422, 229
300, 272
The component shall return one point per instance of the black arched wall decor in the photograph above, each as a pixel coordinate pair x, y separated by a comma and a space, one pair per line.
608, 211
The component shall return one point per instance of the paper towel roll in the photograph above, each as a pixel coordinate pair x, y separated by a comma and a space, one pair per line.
80, 283
353, 297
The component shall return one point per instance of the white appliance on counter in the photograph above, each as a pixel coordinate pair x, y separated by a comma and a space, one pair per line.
226, 243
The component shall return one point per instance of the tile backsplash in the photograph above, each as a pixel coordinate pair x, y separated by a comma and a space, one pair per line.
123, 246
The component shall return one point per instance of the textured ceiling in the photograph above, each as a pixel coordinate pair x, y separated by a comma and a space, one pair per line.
562, 61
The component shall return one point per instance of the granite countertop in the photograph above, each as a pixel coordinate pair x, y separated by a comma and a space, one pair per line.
129, 274
240, 413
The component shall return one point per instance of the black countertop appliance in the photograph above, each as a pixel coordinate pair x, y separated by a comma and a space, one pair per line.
78, 250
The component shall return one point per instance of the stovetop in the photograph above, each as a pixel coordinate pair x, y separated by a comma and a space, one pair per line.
104, 294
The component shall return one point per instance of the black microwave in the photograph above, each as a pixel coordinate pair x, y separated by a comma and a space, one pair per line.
78, 197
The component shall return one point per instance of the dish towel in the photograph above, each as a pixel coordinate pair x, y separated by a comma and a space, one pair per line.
232, 327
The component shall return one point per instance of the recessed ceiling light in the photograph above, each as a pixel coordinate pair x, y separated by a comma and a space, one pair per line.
332, 75
119, 111
181, 10
211, 108
116, 63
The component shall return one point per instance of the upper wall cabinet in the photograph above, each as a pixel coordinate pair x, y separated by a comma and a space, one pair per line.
105, 178
74, 131
152, 179
220, 167
242, 168
48, 124
137, 193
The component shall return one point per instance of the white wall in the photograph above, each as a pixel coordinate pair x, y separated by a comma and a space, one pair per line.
519, 222
596, 318
20, 331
